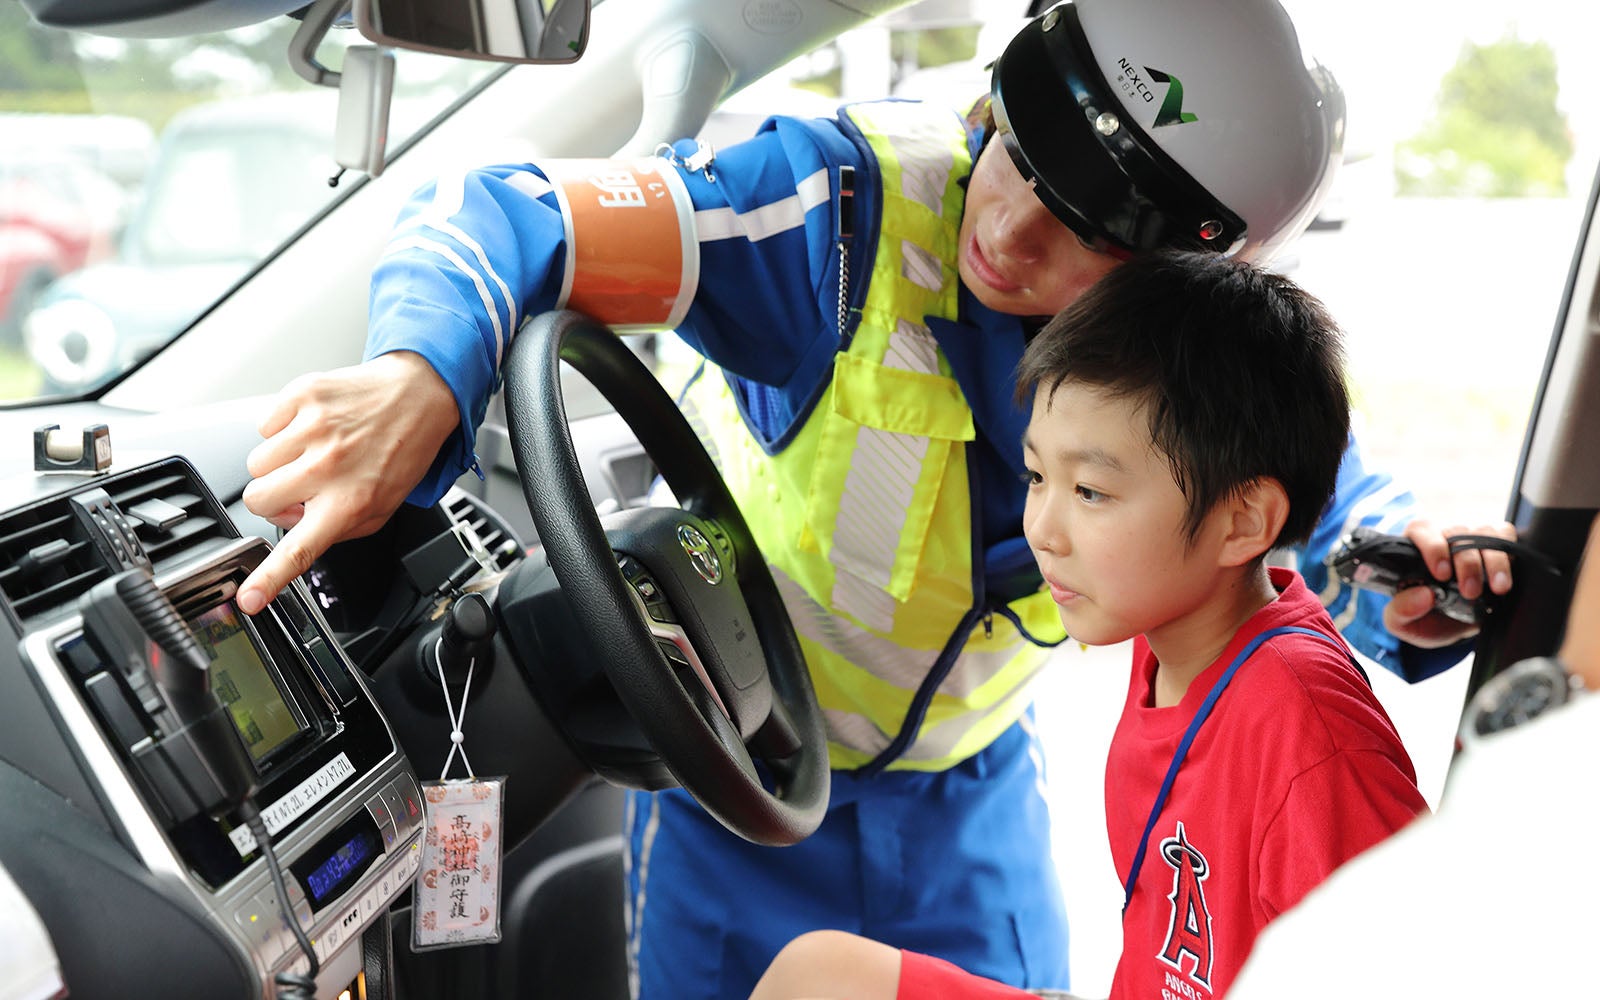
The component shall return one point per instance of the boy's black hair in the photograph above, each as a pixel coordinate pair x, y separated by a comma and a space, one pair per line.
1239, 370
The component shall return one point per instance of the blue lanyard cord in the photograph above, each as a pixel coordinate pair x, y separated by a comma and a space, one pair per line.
1199, 719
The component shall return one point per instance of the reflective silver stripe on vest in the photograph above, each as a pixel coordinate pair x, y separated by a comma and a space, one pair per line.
886, 465
884, 658
867, 600
856, 732
937, 741
921, 267
877, 491
884, 469
925, 162
912, 348
933, 742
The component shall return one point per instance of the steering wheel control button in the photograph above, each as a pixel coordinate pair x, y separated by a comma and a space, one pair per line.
719, 537
655, 603
702, 556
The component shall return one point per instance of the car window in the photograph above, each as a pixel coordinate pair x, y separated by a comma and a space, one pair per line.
203, 206
141, 179
1446, 238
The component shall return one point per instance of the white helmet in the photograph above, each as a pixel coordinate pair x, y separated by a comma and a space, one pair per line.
1151, 123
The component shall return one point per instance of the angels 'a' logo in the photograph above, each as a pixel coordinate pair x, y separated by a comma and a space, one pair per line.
1189, 927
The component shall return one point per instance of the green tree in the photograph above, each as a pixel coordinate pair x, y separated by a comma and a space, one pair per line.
32, 59
1495, 131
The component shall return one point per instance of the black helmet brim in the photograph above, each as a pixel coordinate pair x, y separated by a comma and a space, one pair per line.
1092, 166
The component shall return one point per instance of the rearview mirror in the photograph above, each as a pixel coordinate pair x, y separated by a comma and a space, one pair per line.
522, 31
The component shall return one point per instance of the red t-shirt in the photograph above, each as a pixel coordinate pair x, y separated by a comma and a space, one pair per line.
1296, 770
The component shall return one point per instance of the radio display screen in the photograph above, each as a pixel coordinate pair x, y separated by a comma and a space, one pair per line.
244, 683
343, 866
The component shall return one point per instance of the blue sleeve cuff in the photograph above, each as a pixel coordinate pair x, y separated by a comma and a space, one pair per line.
1418, 664
470, 257
1373, 499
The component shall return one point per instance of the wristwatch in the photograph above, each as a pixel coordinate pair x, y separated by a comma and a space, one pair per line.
1524, 690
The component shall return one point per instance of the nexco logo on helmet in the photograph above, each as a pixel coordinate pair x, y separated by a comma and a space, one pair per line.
1152, 123
1171, 112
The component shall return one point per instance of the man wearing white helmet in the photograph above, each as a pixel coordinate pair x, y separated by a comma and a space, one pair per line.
865, 288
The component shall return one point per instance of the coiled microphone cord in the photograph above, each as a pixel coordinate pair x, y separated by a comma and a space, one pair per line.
291, 985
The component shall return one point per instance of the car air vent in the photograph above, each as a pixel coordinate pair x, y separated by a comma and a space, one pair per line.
51, 552
171, 513
46, 558
494, 533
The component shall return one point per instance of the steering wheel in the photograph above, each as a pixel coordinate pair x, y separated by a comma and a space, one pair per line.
677, 605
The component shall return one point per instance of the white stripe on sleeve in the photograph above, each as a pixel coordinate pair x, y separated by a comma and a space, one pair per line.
530, 183
765, 220
442, 225
1370, 504
434, 246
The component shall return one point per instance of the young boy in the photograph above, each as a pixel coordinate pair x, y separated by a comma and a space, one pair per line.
1189, 415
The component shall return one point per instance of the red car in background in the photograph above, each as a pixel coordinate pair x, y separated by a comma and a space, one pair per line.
57, 214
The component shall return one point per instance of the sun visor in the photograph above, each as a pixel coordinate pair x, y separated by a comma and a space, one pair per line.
155, 18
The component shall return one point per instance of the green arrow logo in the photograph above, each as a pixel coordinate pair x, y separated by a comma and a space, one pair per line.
1171, 112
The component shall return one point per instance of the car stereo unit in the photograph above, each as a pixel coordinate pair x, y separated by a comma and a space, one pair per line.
332, 786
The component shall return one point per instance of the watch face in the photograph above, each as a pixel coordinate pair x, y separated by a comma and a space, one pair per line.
1519, 693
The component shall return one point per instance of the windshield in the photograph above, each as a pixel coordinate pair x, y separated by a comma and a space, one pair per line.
141, 179
198, 207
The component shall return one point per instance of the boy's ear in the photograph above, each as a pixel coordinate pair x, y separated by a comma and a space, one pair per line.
1252, 519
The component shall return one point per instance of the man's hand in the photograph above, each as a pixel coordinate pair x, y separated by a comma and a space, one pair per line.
1410, 615
342, 451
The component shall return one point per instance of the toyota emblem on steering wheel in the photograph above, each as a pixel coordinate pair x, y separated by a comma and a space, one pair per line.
701, 554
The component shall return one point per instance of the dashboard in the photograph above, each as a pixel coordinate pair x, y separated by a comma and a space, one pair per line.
90, 571
121, 821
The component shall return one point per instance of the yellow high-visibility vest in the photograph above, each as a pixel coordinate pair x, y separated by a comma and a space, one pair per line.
865, 515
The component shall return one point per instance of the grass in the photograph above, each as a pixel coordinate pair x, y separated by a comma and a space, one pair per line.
19, 378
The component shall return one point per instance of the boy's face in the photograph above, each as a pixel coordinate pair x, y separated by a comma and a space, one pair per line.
1105, 519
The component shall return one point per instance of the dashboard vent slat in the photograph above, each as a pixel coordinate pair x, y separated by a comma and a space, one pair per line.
32, 591
30, 604
496, 537
34, 588
201, 523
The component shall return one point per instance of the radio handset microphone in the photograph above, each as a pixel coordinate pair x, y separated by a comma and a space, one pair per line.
194, 760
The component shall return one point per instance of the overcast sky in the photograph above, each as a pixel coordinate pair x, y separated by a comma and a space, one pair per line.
1390, 55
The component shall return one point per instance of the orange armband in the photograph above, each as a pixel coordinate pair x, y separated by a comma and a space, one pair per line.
633, 260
